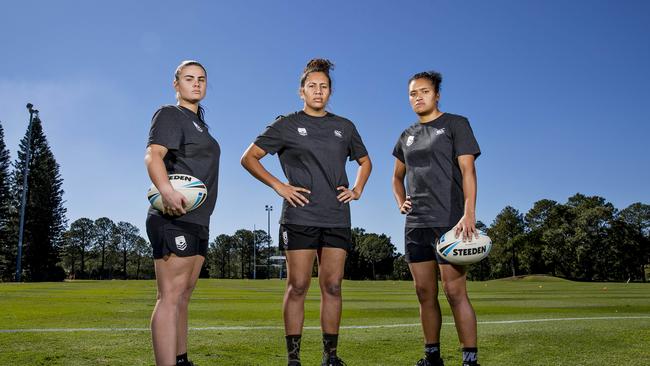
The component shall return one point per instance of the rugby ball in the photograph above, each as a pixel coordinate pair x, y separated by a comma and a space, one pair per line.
192, 188
457, 251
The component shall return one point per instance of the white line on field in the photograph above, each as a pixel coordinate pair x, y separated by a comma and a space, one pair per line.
272, 327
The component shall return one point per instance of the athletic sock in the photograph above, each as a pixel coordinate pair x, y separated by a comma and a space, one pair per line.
330, 342
432, 352
181, 360
293, 349
470, 356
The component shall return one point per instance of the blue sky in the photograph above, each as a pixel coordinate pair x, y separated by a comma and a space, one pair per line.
555, 92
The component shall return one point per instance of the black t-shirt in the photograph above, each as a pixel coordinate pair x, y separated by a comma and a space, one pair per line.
313, 153
192, 151
434, 181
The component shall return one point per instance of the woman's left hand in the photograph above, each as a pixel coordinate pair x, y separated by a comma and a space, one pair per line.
347, 195
466, 227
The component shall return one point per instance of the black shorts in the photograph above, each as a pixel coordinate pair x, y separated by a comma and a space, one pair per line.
420, 244
294, 237
183, 239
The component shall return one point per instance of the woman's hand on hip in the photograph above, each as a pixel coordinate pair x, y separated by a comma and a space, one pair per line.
347, 195
293, 194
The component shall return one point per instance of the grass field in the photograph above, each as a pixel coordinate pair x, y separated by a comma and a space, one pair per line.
531, 321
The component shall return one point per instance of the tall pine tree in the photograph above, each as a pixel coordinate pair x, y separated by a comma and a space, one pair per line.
6, 257
44, 214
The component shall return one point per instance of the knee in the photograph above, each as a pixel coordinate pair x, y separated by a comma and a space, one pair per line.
186, 294
297, 289
425, 293
171, 297
176, 294
455, 294
332, 288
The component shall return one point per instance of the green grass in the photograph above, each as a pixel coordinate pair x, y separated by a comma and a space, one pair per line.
216, 303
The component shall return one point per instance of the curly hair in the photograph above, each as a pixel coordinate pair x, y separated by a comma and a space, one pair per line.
317, 65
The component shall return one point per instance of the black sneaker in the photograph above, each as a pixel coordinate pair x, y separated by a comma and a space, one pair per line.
425, 362
333, 361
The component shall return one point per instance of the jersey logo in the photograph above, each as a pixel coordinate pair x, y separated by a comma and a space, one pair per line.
338, 134
198, 128
440, 131
409, 140
181, 243
302, 131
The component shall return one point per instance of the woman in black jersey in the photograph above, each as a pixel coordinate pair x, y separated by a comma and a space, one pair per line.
179, 143
436, 156
313, 146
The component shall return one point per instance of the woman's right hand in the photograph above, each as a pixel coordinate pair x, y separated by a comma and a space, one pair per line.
292, 194
251, 162
406, 206
173, 203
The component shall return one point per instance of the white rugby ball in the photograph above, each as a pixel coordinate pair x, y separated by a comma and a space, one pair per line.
192, 188
457, 251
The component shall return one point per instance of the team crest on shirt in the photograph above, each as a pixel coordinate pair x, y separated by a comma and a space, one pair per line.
302, 131
338, 134
198, 128
285, 237
440, 131
409, 140
181, 243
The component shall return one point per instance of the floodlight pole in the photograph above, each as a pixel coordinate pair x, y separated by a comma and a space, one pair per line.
33, 113
268, 209
254, 259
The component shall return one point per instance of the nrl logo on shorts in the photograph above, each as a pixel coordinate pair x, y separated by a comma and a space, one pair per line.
302, 131
409, 140
338, 134
285, 237
181, 243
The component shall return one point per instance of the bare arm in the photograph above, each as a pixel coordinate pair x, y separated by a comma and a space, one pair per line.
251, 162
467, 224
399, 191
173, 201
365, 167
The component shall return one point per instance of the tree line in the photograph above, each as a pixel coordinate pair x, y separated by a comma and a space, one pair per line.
585, 238
250, 254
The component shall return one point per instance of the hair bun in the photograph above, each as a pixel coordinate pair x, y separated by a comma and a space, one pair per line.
319, 64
